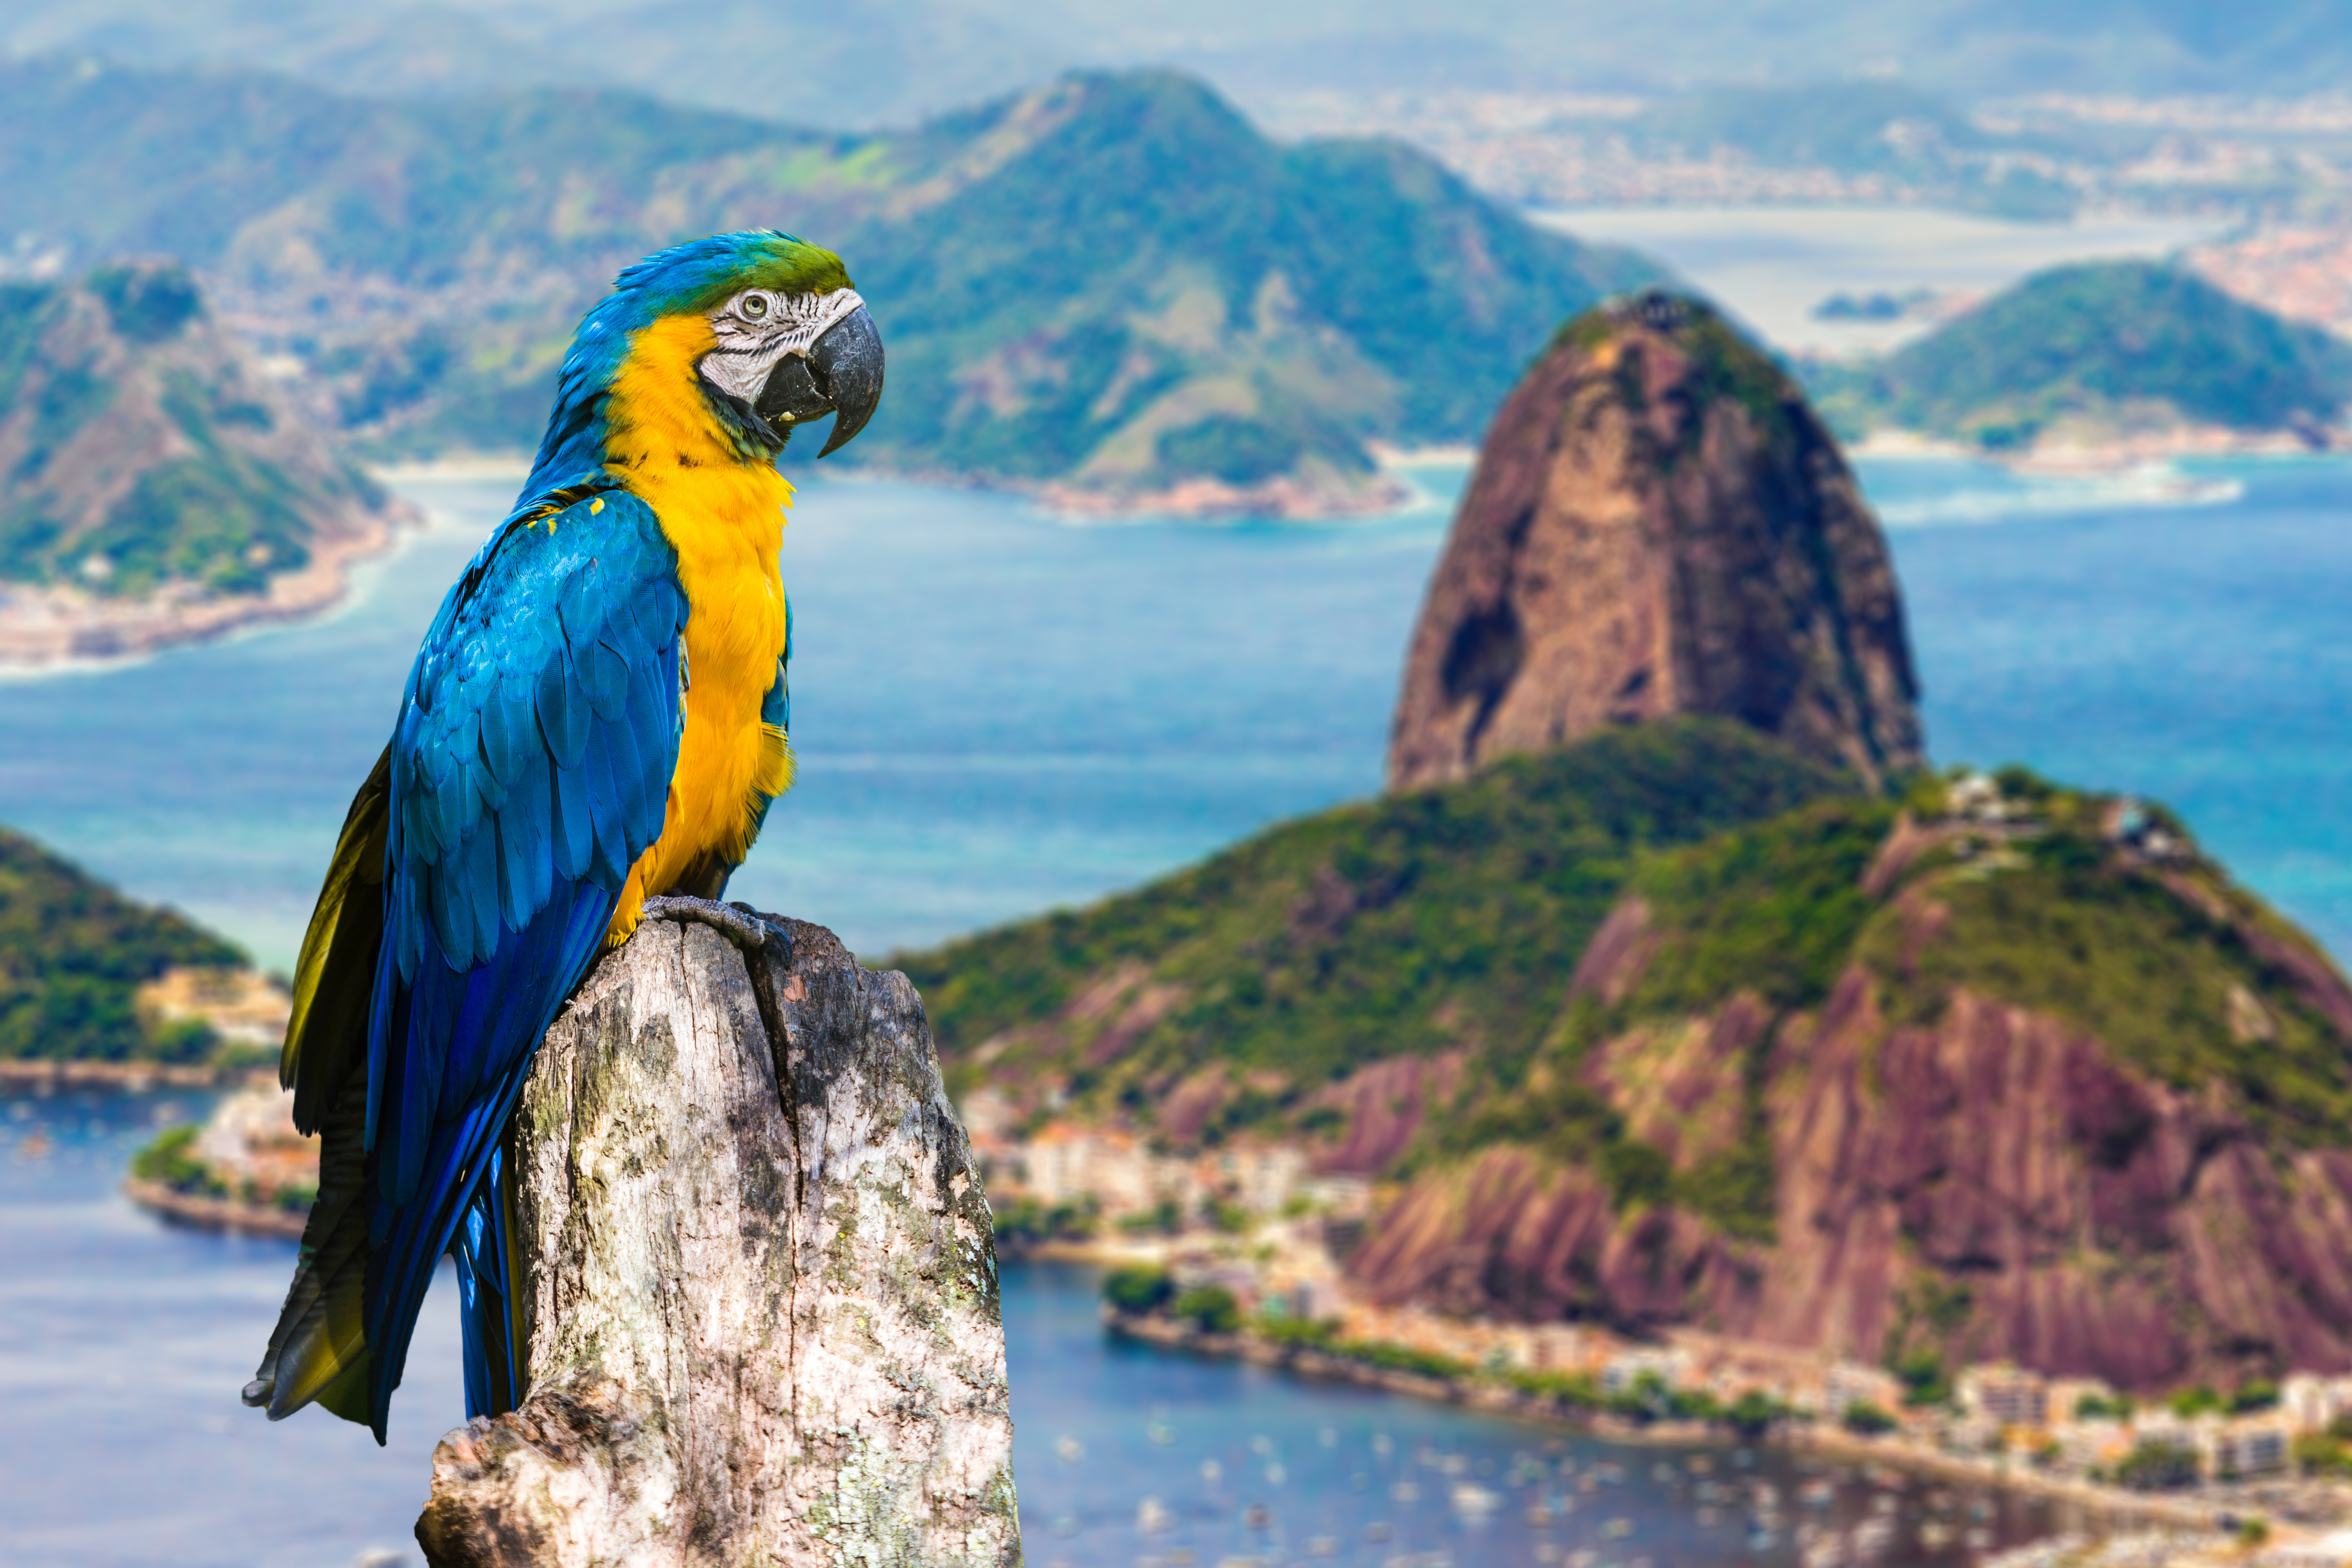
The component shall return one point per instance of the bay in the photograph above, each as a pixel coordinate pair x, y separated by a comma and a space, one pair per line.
998, 710
123, 1342
994, 711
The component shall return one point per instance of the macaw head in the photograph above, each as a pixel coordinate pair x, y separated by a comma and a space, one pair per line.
767, 324
793, 341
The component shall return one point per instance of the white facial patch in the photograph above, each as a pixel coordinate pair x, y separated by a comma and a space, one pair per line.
759, 327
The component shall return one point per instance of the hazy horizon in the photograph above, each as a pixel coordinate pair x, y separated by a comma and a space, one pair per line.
897, 61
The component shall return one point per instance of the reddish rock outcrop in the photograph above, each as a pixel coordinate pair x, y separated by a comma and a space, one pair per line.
1657, 525
2099, 1223
1384, 1105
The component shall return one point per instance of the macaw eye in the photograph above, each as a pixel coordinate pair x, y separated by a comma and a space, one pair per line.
754, 306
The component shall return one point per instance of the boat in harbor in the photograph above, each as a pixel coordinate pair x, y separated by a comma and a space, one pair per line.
1474, 1502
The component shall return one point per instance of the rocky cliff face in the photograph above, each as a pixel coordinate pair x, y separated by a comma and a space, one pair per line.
1657, 525
2123, 1161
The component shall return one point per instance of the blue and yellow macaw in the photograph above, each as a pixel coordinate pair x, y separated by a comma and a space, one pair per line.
596, 717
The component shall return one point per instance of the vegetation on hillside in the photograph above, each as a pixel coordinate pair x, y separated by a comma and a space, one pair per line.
120, 375
1409, 925
1151, 288
1113, 281
1451, 920
2102, 347
74, 953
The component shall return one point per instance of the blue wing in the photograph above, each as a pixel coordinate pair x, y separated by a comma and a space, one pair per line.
531, 768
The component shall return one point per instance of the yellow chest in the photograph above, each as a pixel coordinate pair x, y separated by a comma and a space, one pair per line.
724, 516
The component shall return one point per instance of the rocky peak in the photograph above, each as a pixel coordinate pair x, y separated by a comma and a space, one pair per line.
1658, 524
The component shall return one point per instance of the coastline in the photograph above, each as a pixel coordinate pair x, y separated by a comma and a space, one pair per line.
1280, 499
49, 1075
2071, 458
2113, 1505
47, 631
1283, 498
216, 1214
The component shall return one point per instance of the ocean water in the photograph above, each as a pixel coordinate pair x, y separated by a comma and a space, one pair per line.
997, 711
2179, 634
123, 1342
994, 711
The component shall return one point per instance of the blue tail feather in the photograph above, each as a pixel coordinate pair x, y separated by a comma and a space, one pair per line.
492, 1018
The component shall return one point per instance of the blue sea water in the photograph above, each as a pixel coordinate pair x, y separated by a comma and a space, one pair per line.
123, 1342
2191, 647
996, 711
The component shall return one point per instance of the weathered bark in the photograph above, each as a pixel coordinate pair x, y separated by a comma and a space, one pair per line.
761, 1293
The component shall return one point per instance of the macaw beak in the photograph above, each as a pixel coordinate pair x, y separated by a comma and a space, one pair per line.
841, 375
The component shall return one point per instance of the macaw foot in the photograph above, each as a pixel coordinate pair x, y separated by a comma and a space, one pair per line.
738, 923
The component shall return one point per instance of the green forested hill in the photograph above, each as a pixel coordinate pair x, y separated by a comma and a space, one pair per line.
1406, 926
1113, 282
1147, 289
1618, 958
74, 952
2100, 348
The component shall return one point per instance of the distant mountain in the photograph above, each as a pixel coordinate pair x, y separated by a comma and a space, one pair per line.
1889, 135
1112, 286
878, 62
159, 489
74, 957
2099, 350
1118, 284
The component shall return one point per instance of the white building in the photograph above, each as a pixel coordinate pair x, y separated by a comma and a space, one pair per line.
2310, 1402
1265, 1178
2006, 1395
2258, 1450
1850, 1382
1620, 1372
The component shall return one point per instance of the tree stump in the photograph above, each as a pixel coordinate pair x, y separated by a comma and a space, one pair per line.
760, 1275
